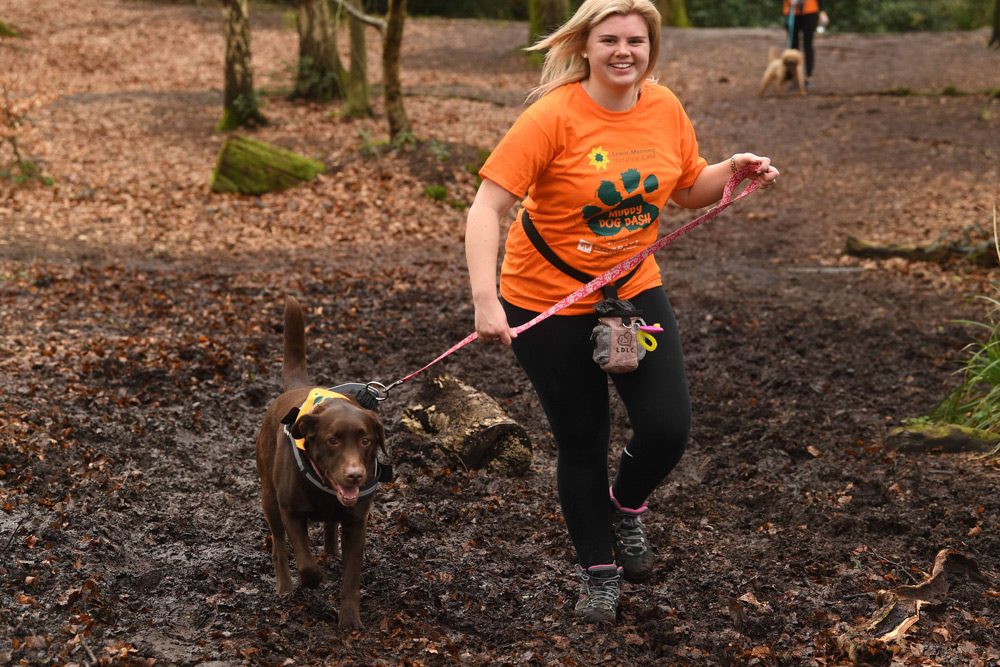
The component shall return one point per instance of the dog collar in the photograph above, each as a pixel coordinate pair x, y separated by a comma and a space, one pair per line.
305, 465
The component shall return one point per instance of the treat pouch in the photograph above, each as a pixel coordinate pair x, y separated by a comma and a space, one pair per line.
616, 345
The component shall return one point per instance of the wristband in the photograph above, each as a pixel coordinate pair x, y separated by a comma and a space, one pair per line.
732, 164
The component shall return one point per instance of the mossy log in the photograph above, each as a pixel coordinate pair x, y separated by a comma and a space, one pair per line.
983, 253
7, 30
943, 438
470, 425
252, 167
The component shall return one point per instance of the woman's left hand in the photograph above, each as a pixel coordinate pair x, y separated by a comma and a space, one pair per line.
767, 174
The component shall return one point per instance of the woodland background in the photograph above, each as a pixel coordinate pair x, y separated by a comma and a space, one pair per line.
139, 347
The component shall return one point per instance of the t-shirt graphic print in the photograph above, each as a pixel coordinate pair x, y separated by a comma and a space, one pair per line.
630, 211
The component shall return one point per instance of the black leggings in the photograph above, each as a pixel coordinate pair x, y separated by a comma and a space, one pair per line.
573, 390
805, 24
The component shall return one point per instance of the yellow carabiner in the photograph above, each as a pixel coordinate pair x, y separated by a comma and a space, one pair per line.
646, 340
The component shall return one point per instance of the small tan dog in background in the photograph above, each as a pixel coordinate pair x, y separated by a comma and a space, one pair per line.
790, 65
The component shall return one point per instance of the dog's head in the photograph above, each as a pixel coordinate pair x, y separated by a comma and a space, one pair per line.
342, 439
791, 58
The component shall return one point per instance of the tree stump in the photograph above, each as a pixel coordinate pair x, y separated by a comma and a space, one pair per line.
467, 423
251, 167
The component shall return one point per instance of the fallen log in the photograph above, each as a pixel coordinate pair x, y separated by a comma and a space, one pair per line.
982, 253
8, 30
943, 438
250, 167
466, 423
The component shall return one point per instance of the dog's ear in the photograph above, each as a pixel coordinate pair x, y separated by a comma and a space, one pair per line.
379, 430
305, 427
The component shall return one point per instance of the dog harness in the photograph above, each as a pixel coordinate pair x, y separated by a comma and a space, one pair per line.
307, 468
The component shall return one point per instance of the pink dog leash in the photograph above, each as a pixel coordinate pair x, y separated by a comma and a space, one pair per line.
611, 274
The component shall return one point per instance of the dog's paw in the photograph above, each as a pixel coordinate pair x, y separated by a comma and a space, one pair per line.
628, 211
310, 576
350, 621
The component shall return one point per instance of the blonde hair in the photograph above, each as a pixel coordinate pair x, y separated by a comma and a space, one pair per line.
564, 61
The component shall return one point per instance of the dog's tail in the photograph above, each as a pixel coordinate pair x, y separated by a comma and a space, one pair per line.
294, 372
772, 54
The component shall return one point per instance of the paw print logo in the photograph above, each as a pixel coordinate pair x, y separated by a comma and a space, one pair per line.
628, 211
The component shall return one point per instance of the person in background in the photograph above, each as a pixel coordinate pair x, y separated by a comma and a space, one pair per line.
599, 151
802, 18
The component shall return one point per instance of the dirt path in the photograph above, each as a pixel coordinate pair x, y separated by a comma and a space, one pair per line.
138, 352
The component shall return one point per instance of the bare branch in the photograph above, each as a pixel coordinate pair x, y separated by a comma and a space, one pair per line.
373, 21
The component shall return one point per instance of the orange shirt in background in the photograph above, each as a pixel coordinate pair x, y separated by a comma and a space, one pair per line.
806, 7
596, 181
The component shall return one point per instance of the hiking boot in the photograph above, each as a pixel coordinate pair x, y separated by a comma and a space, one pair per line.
600, 589
632, 549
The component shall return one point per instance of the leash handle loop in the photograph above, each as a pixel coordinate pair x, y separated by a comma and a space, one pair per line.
748, 171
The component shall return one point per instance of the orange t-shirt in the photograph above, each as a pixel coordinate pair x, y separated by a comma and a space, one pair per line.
596, 181
807, 7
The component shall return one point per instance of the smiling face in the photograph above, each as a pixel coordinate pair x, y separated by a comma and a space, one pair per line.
618, 52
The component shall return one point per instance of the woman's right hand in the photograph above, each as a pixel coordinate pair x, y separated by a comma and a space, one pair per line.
491, 322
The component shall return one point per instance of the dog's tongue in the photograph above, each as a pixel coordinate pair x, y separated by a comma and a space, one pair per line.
348, 494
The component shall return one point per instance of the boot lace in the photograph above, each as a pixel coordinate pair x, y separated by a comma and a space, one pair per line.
631, 534
603, 593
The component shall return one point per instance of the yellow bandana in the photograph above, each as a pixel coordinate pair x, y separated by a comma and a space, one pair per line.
315, 397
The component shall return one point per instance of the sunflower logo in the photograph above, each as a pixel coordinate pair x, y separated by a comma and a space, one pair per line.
599, 158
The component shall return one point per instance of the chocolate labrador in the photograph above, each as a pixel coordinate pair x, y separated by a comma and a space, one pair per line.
316, 456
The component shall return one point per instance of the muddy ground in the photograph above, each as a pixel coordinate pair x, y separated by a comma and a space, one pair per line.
139, 350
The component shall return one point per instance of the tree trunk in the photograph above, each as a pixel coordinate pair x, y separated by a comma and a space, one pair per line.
673, 13
252, 167
471, 426
239, 98
320, 75
995, 37
358, 99
545, 16
399, 124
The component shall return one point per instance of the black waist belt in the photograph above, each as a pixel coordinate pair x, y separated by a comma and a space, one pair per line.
610, 290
